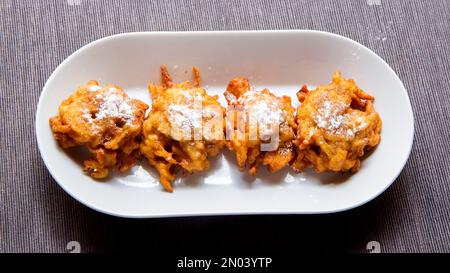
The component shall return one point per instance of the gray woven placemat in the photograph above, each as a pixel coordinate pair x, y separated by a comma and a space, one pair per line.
412, 215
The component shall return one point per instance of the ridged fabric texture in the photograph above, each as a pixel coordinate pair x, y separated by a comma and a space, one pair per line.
411, 216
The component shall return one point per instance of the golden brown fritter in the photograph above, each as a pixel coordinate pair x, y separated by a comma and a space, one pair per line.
337, 123
260, 127
106, 121
183, 129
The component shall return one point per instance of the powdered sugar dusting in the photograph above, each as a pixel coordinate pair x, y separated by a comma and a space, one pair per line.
114, 105
184, 117
87, 115
264, 109
111, 104
94, 88
189, 114
332, 118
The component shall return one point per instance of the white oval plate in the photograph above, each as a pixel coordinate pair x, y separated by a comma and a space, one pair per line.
279, 60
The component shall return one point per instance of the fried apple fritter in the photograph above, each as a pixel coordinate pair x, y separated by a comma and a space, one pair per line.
106, 121
337, 124
260, 127
183, 129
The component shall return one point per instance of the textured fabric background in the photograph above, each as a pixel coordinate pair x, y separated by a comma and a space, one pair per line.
411, 216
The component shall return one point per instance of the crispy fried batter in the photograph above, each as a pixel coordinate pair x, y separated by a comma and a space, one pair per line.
183, 129
337, 123
106, 121
260, 127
